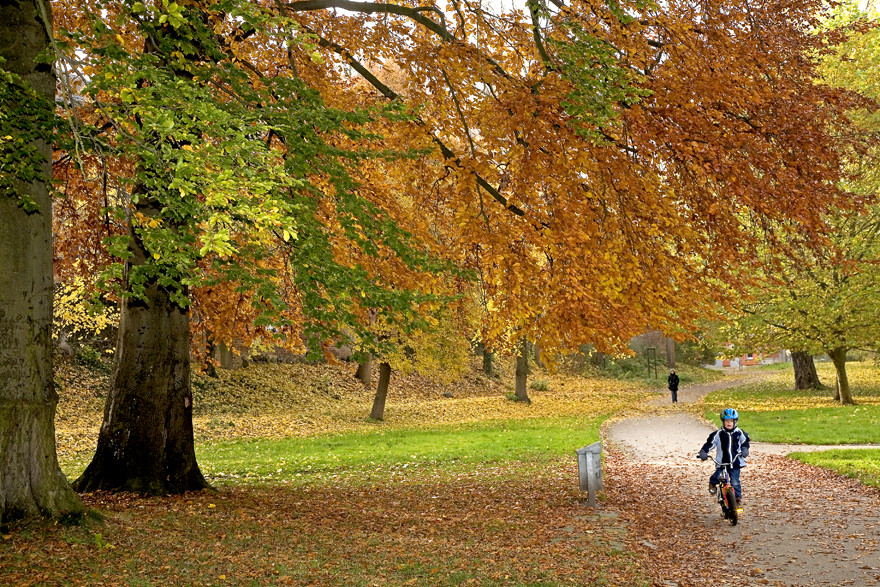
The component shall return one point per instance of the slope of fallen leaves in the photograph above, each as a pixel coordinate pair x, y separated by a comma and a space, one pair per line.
513, 523
277, 400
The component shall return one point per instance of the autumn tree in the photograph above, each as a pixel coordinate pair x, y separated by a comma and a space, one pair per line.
596, 165
31, 482
825, 300
233, 187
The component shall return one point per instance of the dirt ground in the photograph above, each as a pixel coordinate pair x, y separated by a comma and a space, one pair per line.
801, 525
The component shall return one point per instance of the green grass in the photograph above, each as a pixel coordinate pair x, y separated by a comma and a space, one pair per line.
774, 367
835, 425
314, 459
772, 411
861, 464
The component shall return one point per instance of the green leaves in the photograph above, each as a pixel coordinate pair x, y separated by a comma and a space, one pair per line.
243, 177
602, 82
26, 120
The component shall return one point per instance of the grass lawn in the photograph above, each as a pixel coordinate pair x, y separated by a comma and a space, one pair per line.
371, 454
772, 411
861, 464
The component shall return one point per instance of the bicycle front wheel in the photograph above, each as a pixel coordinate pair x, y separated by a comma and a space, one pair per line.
730, 498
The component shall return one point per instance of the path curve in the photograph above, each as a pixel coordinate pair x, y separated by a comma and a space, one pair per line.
829, 538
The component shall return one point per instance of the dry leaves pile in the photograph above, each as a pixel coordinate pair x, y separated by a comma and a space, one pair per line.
510, 525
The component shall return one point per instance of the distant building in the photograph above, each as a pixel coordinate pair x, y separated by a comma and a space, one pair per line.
749, 359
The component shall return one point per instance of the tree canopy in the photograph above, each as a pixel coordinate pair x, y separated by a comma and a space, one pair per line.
824, 300
310, 168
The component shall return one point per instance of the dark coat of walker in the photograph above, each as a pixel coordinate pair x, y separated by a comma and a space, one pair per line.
673, 385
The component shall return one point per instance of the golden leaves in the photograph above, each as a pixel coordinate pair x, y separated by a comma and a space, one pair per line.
277, 400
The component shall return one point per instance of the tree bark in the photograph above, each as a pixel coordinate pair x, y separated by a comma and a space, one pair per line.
365, 372
31, 482
487, 359
522, 373
670, 353
378, 411
538, 360
488, 369
838, 357
146, 440
805, 375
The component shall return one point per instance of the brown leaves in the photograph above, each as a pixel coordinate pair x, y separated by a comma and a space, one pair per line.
512, 525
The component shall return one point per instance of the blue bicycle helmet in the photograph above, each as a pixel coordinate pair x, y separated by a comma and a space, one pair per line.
729, 414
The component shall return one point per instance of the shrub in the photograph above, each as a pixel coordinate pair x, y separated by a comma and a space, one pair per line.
91, 359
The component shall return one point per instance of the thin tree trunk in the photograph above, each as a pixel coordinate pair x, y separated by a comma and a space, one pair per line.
538, 360
488, 369
146, 440
378, 411
805, 375
838, 357
670, 353
365, 371
31, 482
487, 359
522, 372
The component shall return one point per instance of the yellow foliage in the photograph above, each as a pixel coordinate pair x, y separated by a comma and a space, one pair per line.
76, 313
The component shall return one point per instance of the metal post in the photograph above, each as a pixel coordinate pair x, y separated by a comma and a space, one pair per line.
590, 471
651, 358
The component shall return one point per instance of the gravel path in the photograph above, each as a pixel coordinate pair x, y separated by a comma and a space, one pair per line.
801, 525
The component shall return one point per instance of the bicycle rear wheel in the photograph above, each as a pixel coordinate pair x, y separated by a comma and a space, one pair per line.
732, 513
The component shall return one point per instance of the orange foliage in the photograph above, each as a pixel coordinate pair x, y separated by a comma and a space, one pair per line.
579, 240
575, 237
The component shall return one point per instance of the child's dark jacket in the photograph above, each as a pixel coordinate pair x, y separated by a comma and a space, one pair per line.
728, 446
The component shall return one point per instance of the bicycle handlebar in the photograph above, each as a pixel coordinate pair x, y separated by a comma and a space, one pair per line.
738, 456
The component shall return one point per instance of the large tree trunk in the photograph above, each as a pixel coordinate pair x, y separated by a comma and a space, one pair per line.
805, 375
31, 482
146, 440
844, 394
522, 372
378, 411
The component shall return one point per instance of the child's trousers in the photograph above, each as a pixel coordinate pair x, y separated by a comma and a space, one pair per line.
715, 479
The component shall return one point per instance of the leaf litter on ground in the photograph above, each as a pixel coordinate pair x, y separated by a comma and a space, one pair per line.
492, 523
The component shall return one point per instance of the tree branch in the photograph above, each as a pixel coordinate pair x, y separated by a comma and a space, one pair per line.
381, 8
392, 95
377, 8
536, 34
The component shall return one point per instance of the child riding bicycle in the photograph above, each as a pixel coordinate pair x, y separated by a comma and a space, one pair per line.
731, 447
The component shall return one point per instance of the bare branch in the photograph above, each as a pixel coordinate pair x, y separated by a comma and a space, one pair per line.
377, 8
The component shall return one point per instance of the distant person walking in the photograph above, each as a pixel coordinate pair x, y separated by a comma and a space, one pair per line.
673, 385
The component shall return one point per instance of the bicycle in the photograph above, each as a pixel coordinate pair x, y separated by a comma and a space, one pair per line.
726, 496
